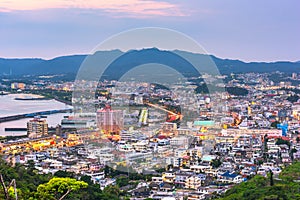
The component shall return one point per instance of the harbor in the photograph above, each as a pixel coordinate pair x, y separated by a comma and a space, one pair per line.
14, 114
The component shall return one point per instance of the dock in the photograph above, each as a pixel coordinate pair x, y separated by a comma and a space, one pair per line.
31, 115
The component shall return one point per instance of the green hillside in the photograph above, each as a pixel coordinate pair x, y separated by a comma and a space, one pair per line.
287, 186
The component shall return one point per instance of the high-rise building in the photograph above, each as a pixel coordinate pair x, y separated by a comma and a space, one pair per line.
110, 121
37, 128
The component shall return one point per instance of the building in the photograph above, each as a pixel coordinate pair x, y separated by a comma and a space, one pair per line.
193, 182
228, 177
125, 136
18, 86
181, 178
168, 177
296, 112
169, 129
37, 128
77, 123
180, 141
110, 121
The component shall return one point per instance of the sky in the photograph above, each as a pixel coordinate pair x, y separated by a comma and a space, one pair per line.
246, 30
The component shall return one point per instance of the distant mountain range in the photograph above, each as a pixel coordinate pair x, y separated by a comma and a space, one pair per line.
71, 64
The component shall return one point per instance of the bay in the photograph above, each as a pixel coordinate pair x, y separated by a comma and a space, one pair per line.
9, 106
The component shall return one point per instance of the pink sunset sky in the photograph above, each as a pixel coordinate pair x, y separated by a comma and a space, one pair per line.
248, 30
138, 8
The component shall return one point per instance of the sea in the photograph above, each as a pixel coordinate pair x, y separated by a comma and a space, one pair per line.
10, 106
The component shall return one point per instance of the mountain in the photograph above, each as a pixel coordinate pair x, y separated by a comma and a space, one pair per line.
59, 65
71, 64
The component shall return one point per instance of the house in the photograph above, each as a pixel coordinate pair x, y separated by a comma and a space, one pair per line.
166, 187
154, 186
228, 177
193, 182
142, 192
181, 178
297, 155
200, 168
203, 190
157, 179
196, 196
168, 177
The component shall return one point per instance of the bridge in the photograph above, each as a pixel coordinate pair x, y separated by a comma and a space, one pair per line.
30, 115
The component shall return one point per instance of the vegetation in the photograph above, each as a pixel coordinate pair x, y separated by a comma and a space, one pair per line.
237, 91
58, 188
266, 188
215, 163
202, 89
293, 98
27, 180
62, 185
207, 88
274, 124
33, 186
121, 173
59, 95
281, 141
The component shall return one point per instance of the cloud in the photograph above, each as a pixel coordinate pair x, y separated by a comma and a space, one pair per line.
119, 8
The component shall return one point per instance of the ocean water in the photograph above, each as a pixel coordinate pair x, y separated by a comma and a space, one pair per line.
9, 106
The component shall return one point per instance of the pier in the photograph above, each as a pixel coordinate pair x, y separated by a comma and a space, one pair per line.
31, 115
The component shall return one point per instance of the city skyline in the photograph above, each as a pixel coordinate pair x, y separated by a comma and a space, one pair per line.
259, 31
149, 99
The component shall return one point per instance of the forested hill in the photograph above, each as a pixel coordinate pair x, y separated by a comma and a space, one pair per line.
286, 187
70, 64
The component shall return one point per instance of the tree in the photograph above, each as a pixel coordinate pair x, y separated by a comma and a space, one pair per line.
59, 188
294, 150
281, 141
31, 168
122, 181
265, 142
271, 178
14, 192
263, 188
215, 163
274, 124
237, 91
9, 190
62, 173
293, 98
111, 192
87, 179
